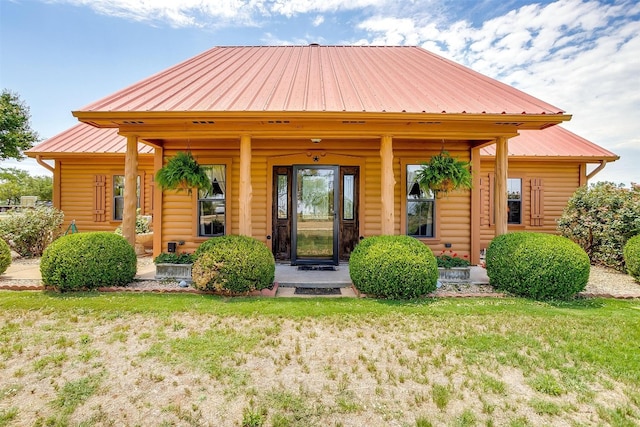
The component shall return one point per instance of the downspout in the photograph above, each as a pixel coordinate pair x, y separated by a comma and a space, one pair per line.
596, 170
47, 166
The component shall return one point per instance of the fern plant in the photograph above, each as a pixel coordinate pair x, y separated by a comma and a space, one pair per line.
443, 174
182, 172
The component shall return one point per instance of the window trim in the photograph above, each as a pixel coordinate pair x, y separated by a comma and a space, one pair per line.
229, 185
404, 162
141, 178
521, 200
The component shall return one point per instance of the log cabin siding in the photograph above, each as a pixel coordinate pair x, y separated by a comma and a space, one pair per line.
179, 210
559, 181
77, 184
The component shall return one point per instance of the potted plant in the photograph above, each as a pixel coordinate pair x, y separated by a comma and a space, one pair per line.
443, 174
182, 172
174, 266
144, 234
451, 268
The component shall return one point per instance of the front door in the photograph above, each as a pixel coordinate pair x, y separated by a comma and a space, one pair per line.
315, 220
315, 213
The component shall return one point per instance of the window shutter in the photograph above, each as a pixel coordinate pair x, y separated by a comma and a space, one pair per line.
537, 202
99, 198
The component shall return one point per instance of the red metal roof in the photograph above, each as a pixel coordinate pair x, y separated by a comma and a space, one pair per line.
551, 142
321, 78
554, 141
83, 138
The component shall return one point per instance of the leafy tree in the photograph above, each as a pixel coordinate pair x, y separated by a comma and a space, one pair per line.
16, 134
16, 182
601, 218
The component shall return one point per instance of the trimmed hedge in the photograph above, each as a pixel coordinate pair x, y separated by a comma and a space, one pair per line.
85, 261
5, 256
536, 265
233, 264
632, 256
396, 267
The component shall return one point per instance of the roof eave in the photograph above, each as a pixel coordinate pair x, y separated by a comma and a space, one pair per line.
115, 119
539, 158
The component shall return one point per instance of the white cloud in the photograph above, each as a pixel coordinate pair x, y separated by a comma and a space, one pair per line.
582, 56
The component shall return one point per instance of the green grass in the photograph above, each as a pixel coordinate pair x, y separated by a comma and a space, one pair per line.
440, 350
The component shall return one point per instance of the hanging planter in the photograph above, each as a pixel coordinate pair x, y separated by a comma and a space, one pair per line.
444, 174
182, 172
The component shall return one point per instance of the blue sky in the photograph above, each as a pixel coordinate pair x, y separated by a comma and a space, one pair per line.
580, 55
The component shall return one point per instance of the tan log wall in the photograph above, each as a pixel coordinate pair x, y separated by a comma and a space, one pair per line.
179, 209
77, 185
559, 181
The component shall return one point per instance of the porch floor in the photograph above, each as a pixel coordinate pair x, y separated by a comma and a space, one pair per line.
288, 276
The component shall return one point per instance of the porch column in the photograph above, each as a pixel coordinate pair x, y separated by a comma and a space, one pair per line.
500, 197
130, 184
388, 183
475, 206
158, 162
245, 191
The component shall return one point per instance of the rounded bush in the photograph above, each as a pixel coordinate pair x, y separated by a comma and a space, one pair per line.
397, 267
5, 256
536, 265
88, 261
632, 256
233, 264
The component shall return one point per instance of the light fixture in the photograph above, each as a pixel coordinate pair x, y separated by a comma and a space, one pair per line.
316, 140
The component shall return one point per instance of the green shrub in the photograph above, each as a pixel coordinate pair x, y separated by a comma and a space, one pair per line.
233, 264
88, 261
30, 231
536, 265
398, 267
632, 256
600, 219
5, 256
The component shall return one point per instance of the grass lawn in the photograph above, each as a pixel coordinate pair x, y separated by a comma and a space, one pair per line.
191, 360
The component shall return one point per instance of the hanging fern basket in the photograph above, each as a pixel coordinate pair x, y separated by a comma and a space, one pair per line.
444, 174
183, 173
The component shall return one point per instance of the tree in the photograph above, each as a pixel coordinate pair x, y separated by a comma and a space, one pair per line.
15, 183
16, 134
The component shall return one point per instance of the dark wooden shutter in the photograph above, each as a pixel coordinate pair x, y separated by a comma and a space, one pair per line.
537, 202
99, 198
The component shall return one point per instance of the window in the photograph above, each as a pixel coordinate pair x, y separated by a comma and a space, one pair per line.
212, 203
348, 196
420, 206
283, 197
118, 196
514, 201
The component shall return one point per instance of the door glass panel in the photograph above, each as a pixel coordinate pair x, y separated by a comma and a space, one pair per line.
315, 213
283, 205
347, 196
